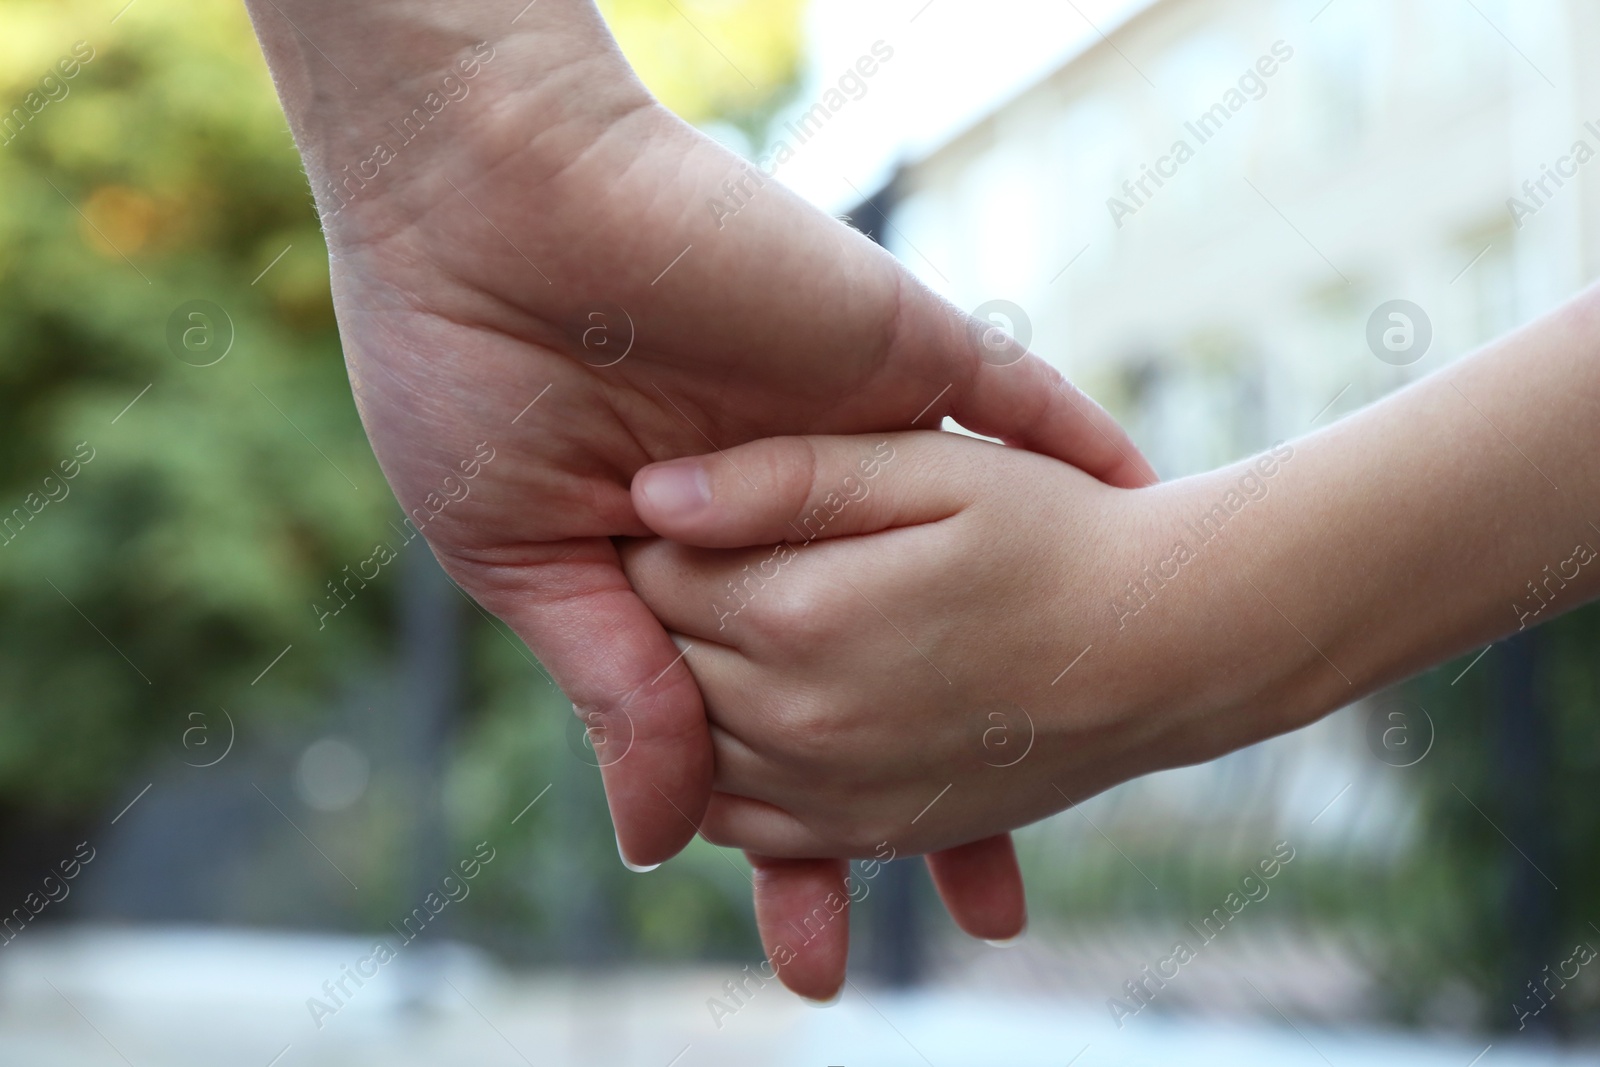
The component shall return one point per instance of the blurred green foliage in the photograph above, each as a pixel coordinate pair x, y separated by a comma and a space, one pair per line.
1505, 880
220, 499
187, 552
1444, 903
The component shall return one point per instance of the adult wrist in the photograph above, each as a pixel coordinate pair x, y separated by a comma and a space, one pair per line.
378, 95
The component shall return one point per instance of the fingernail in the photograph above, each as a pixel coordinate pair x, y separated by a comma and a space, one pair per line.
635, 868
1008, 942
677, 490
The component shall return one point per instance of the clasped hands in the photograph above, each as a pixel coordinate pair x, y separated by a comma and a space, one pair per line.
836, 633
837, 696
858, 613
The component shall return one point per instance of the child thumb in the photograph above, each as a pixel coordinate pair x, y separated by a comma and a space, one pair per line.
800, 489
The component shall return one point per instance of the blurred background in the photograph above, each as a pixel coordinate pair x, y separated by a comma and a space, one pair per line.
214, 799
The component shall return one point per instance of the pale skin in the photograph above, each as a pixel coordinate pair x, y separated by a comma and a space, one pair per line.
541, 184
849, 683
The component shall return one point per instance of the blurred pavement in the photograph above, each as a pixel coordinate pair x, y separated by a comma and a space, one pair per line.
184, 998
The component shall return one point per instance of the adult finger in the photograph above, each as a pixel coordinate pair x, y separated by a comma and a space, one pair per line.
979, 883
624, 676
981, 886
803, 914
994, 386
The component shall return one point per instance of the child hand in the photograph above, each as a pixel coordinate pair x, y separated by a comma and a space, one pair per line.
881, 668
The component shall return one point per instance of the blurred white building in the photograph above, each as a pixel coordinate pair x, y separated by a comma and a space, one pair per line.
1340, 154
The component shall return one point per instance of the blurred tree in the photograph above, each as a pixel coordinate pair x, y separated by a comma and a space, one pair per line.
223, 480
728, 60
186, 554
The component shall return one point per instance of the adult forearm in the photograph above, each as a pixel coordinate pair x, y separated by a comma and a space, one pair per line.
1455, 512
361, 81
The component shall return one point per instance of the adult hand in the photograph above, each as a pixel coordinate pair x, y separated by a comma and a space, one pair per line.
522, 255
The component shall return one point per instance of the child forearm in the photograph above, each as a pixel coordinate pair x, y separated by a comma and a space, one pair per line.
1459, 510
